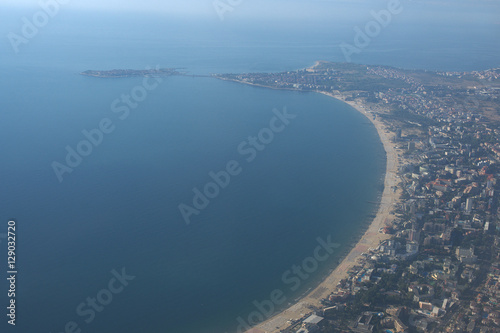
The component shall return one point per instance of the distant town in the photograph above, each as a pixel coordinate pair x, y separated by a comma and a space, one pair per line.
121, 73
439, 268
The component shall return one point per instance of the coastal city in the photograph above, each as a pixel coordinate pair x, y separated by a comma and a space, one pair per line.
266, 166
430, 261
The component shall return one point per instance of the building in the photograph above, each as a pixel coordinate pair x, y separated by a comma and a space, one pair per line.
414, 235
313, 323
468, 205
363, 324
465, 256
421, 292
398, 134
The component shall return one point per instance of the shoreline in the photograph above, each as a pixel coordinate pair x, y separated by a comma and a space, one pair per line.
371, 237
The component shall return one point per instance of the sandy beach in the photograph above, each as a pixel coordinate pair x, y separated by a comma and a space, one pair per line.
371, 238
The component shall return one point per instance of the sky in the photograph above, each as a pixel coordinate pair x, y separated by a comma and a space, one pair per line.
321, 13
264, 8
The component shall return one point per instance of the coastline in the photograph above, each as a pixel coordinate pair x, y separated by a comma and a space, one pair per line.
370, 239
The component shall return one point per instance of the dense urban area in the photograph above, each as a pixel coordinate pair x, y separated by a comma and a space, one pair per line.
439, 269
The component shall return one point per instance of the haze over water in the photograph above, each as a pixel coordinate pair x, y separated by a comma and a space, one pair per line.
119, 208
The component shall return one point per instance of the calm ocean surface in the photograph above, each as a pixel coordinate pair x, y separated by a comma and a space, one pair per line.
119, 208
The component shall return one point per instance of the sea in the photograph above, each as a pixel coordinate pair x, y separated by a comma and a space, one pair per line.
101, 243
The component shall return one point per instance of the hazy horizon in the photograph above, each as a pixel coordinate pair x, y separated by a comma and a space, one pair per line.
423, 10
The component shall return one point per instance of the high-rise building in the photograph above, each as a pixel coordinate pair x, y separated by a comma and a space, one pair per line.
398, 134
468, 205
414, 235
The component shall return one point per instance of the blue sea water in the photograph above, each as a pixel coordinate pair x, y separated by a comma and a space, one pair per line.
119, 209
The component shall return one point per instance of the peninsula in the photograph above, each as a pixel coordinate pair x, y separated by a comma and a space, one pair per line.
430, 260
121, 73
